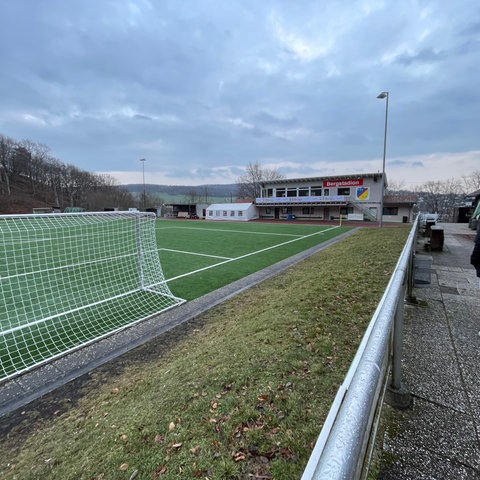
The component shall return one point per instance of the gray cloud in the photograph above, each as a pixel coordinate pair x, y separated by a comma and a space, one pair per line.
201, 89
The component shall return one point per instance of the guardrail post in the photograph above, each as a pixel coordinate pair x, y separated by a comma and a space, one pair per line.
410, 297
396, 395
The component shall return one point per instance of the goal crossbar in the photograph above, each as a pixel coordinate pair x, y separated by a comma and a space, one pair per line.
69, 279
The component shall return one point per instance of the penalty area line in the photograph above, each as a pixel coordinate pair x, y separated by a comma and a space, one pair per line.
194, 253
249, 254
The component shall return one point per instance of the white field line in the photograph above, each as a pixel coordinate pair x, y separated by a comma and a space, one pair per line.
35, 240
194, 253
74, 265
63, 238
84, 307
249, 254
56, 315
234, 231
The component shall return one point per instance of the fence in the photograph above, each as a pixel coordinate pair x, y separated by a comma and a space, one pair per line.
344, 445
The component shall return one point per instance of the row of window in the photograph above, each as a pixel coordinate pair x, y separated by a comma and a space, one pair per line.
307, 210
224, 213
289, 210
343, 210
301, 192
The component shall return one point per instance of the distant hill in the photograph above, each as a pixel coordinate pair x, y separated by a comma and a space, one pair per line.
213, 190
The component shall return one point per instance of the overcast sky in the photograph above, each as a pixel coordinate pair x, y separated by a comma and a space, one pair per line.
201, 88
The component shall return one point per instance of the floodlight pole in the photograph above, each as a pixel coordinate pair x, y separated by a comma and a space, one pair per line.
143, 160
382, 96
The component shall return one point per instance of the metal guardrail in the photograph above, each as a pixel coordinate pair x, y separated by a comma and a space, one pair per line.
345, 442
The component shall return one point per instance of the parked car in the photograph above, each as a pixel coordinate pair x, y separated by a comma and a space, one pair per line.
429, 218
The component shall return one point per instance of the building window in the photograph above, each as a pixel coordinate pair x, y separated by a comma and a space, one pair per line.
344, 191
307, 210
326, 192
292, 192
240, 213
224, 213
268, 211
390, 210
280, 192
210, 213
346, 210
232, 213
286, 210
317, 191
303, 192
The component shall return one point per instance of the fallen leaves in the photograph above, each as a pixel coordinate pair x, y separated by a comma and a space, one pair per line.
195, 450
238, 457
160, 470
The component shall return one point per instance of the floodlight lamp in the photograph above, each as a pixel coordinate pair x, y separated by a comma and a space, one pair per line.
382, 95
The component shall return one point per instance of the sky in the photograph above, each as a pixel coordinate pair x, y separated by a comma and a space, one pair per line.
201, 88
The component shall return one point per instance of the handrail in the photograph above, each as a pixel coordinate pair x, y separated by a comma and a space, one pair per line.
341, 448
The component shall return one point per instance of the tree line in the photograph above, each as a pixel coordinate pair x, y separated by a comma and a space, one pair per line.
28, 168
444, 197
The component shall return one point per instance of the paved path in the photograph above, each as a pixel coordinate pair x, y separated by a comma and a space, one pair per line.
438, 438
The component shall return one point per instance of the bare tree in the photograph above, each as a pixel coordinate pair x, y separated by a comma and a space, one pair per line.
7, 153
394, 187
54, 176
36, 169
249, 185
441, 197
191, 196
205, 193
471, 182
105, 192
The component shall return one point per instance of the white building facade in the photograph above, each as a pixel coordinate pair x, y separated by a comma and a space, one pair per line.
354, 197
239, 212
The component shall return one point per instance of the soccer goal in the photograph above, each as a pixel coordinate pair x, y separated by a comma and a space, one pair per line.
69, 279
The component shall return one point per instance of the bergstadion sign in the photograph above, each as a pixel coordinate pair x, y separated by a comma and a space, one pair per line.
352, 182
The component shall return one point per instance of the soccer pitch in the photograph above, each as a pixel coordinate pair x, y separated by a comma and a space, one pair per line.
198, 257
67, 284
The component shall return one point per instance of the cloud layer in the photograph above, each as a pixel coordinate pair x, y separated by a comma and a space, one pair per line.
200, 89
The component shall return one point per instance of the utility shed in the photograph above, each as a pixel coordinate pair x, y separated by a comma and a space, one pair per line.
232, 211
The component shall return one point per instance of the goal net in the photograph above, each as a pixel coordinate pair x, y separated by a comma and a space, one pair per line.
69, 279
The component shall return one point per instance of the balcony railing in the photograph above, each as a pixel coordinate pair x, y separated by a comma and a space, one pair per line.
325, 200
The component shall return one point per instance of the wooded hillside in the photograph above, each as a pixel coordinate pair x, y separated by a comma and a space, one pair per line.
31, 178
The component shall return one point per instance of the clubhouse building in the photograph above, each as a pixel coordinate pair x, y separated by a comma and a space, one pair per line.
354, 197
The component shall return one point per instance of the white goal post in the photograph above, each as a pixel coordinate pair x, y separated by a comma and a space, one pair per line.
69, 279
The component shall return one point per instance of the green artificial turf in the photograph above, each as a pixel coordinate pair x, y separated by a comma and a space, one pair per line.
69, 280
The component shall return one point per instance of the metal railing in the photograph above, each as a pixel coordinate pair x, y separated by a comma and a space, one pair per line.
344, 445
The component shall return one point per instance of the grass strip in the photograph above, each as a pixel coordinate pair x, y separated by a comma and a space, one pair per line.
240, 393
